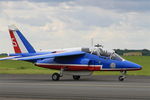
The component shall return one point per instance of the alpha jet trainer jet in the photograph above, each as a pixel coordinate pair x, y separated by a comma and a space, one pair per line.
75, 62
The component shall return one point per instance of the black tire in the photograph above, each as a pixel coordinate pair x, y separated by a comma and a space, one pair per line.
76, 77
55, 77
121, 78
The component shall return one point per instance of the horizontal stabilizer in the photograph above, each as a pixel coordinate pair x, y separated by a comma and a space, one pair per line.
11, 58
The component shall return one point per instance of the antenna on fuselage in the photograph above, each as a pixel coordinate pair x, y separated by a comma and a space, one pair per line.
92, 41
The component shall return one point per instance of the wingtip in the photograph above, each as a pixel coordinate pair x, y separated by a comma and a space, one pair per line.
12, 27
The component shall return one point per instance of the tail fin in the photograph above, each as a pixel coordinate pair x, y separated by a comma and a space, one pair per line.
19, 42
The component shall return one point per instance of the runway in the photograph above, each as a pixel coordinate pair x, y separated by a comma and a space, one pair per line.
41, 87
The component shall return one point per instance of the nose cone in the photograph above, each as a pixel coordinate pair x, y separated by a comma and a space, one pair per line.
132, 66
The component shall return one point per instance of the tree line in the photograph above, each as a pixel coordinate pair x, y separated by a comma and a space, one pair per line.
145, 52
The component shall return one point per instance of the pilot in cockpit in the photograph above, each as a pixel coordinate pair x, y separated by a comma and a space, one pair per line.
98, 50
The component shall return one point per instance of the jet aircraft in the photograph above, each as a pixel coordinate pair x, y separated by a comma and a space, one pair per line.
75, 62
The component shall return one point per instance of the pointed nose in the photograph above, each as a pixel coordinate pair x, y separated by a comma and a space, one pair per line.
139, 67
132, 65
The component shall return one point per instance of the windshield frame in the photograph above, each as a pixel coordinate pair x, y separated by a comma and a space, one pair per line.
115, 56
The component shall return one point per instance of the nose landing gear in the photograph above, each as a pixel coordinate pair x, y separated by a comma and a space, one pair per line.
123, 76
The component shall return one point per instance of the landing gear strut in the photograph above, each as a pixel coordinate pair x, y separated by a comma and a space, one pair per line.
123, 76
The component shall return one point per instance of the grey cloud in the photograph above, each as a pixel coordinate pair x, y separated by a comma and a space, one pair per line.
77, 21
40, 1
92, 19
34, 21
50, 0
117, 5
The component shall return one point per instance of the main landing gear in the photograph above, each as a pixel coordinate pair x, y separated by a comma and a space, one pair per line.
76, 77
123, 76
56, 76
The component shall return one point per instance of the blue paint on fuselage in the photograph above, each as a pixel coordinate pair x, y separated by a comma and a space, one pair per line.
85, 59
91, 59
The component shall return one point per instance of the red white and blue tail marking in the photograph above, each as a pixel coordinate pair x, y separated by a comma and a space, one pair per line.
14, 42
19, 42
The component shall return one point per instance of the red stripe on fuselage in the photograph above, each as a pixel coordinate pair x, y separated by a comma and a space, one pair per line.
14, 42
71, 67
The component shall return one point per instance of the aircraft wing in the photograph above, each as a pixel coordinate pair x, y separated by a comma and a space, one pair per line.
52, 55
11, 58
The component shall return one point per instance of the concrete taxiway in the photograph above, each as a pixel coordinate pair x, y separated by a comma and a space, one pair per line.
41, 87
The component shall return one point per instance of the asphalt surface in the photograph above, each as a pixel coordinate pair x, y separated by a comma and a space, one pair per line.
41, 87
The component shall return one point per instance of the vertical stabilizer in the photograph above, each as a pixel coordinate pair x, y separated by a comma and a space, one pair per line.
19, 42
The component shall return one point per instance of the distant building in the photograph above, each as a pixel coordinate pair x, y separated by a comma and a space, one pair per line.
132, 54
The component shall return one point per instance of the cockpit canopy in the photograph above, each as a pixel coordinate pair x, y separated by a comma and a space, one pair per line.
99, 51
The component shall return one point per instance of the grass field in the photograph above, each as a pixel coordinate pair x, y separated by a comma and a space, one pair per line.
21, 67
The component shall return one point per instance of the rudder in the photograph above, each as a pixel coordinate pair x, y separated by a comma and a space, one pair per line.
19, 42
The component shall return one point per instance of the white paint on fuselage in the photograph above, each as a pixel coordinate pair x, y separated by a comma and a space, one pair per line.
81, 73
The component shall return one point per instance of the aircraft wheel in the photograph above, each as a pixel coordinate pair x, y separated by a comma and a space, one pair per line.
55, 77
121, 78
76, 77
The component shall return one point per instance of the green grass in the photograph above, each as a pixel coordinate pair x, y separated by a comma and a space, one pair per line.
21, 67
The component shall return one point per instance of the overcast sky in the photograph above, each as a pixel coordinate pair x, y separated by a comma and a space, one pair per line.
50, 24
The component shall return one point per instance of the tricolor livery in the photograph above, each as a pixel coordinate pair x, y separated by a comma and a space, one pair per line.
76, 62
